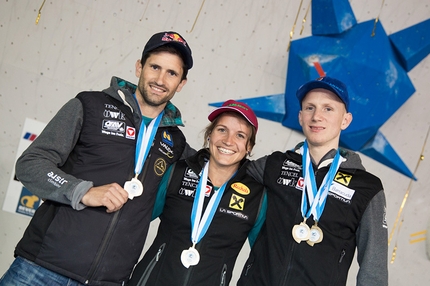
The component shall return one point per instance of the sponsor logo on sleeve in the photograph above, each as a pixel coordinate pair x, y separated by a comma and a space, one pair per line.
56, 179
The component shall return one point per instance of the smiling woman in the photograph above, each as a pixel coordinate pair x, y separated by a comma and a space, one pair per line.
208, 206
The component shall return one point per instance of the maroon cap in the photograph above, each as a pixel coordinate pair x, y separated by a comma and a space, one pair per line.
236, 106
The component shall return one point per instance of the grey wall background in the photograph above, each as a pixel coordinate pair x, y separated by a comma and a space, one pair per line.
240, 51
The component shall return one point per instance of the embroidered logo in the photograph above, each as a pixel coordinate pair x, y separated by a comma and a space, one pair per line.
160, 166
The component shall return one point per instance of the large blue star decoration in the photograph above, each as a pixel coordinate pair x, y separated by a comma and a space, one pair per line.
373, 65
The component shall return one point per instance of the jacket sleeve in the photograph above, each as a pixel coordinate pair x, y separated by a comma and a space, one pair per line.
372, 244
38, 168
256, 169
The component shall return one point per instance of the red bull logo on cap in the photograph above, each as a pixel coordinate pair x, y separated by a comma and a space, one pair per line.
169, 37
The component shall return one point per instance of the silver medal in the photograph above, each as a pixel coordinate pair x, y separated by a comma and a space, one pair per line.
134, 188
190, 257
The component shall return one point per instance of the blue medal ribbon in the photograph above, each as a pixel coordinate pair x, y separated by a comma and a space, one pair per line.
144, 142
313, 199
199, 223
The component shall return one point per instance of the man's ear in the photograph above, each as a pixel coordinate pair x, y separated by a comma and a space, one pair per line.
300, 118
181, 85
347, 119
138, 68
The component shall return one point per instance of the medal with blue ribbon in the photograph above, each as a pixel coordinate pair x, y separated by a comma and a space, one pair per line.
145, 137
200, 222
313, 199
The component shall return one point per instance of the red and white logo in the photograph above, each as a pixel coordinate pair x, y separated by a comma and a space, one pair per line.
300, 183
208, 191
130, 133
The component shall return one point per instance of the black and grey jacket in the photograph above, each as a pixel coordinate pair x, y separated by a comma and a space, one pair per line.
353, 217
240, 211
91, 142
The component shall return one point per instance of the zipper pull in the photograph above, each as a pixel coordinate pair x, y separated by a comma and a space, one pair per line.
247, 269
157, 257
342, 254
224, 271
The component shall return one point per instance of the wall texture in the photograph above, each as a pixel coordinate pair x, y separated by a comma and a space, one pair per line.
240, 51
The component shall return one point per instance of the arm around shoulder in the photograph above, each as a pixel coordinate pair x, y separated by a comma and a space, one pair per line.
256, 169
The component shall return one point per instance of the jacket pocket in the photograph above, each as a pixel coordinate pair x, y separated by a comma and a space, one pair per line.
151, 265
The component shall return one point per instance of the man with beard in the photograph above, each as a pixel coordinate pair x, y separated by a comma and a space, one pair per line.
97, 166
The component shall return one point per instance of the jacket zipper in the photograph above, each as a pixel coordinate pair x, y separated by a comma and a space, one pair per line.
109, 234
151, 266
223, 273
103, 246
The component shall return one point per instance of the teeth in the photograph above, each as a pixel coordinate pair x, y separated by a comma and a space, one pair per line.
225, 151
159, 89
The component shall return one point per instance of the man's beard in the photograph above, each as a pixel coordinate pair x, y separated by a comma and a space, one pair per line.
147, 99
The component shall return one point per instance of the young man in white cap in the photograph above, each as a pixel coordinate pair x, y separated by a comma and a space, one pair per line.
322, 204
97, 166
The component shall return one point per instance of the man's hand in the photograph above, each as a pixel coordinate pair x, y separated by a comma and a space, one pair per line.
112, 196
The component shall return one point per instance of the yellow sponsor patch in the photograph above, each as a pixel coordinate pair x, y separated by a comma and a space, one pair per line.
237, 202
241, 188
343, 178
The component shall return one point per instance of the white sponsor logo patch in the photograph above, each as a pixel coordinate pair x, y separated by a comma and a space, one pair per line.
342, 191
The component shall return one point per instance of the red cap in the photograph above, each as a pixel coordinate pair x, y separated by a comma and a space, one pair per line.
236, 106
